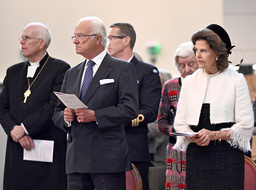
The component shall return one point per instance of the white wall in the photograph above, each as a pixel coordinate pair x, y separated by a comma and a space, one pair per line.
240, 21
168, 22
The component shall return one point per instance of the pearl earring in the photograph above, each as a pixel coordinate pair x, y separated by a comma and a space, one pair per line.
216, 58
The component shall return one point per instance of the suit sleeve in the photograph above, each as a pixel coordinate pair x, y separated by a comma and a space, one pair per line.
58, 115
150, 94
7, 121
127, 107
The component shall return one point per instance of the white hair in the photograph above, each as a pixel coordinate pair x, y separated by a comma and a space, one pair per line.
98, 27
183, 50
44, 32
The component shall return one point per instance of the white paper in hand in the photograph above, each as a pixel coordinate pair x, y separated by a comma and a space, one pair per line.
43, 151
70, 100
187, 134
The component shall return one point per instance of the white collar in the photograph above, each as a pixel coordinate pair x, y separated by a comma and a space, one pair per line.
98, 59
130, 58
32, 69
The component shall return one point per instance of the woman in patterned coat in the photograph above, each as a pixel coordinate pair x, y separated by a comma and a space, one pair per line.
185, 61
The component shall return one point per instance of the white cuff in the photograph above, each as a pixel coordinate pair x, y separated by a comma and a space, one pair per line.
23, 126
67, 123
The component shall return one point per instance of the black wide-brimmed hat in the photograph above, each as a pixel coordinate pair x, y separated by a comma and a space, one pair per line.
222, 34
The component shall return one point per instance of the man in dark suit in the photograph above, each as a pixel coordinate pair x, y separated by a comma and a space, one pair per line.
97, 150
122, 38
27, 103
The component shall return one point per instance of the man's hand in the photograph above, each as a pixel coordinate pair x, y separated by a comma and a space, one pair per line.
69, 115
17, 133
85, 115
27, 142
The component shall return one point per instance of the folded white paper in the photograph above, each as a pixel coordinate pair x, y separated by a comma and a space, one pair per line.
43, 151
187, 134
70, 100
106, 81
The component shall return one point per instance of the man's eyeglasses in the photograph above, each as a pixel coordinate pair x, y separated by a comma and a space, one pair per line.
110, 38
26, 38
81, 36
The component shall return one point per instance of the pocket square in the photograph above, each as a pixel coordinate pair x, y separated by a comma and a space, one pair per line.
106, 81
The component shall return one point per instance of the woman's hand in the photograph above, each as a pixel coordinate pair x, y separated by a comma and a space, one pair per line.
202, 138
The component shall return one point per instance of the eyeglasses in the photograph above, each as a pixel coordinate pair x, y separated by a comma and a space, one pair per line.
110, 38
81, 36
26, 38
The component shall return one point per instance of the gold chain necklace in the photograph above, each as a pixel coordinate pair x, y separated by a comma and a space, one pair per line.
28, 91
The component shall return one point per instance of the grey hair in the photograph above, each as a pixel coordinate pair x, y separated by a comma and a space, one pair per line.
98, 27
44, 32
183, 50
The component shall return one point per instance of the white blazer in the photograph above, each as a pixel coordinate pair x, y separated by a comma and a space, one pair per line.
229, 102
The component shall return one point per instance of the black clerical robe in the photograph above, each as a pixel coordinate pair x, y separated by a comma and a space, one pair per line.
36, 115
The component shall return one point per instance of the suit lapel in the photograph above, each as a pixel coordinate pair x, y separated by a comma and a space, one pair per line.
102, 73
77, 79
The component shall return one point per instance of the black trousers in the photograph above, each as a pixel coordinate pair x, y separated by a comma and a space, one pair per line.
109, 181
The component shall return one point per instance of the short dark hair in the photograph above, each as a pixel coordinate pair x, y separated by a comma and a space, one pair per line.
126, 29
216, 44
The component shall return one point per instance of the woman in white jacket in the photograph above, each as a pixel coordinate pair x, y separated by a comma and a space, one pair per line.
214, 102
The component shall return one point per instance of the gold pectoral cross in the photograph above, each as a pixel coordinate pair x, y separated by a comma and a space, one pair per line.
27, 94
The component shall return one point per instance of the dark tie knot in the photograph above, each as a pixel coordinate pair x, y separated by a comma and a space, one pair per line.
90, 63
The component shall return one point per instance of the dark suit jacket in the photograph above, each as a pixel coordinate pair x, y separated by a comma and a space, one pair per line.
36, 115
101, 147
149, 87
